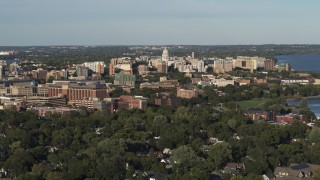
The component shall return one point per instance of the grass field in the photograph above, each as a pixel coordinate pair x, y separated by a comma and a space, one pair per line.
251, 104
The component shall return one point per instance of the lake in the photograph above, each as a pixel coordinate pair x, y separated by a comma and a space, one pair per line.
302, 62
313, 104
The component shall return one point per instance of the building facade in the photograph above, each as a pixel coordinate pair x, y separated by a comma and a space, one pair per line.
77, 90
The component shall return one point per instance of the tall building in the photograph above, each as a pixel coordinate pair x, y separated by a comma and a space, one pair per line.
123, 64
143, 69
269, 65
124, 79
251, 63
112, 66
111, 69
97, 67
39, 74
82, 71
162, 67
222, 65
200, 66
165, 55
64, 74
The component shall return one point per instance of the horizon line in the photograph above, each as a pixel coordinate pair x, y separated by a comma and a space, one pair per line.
70, 45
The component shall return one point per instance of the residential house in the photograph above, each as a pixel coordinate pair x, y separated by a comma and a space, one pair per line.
296, 171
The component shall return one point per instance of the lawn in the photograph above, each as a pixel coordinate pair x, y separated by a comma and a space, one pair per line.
251, 104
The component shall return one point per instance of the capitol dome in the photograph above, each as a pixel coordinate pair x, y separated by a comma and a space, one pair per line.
165, 54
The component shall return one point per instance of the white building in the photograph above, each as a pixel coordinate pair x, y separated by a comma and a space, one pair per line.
97, 67
200, 66
165, 55
222, 82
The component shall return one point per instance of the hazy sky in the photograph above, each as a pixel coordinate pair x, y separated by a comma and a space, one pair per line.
163, 22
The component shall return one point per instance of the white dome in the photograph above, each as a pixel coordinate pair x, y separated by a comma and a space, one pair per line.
165, 54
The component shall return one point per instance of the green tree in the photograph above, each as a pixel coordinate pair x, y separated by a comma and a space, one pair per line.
219, 154
314, 135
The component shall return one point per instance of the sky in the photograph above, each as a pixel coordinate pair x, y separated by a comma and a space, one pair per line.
158, 22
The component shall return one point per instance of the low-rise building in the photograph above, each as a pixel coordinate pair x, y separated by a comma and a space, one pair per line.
77, 90
48, 111
260, 115
164, 99
296, 171
295, 81
187, 93
289, 117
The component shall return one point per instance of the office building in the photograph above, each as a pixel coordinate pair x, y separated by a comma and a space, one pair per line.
122, 79
73, 90
269, 65
96, 67
162, 67
187, 93
250, 63
82, 71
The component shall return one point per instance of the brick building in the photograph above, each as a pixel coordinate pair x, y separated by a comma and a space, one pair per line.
77, 90
187, 93
164, 99
269, 65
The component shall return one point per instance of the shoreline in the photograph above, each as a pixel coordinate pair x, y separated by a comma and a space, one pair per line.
308, 97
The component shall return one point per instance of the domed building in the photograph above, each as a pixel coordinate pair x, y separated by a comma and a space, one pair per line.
165, 55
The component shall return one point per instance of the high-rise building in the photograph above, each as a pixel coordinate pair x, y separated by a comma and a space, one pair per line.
124, 79
251, 63
97, 67
162, 67
269, 65
83, 71
222, 65
111, 69
39, 74
143, 69
200, 66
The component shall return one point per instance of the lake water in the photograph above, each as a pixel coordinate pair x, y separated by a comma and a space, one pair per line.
313, 104
302, 62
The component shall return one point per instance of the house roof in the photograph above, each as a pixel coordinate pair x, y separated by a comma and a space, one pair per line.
295, 170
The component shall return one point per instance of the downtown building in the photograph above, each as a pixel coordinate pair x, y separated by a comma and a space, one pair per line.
222, 65
96, 67
269, 65
74, 90
250, 63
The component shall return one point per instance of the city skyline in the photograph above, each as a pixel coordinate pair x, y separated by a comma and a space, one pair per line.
141, 22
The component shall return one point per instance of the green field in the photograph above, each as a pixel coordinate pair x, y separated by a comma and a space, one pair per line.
251, 104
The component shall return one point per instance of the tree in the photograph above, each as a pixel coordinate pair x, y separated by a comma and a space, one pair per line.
317, 175
19, 162
219, 154
304, 104
314, 135
185, 158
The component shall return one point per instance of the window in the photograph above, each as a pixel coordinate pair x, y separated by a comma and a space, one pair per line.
244, 64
